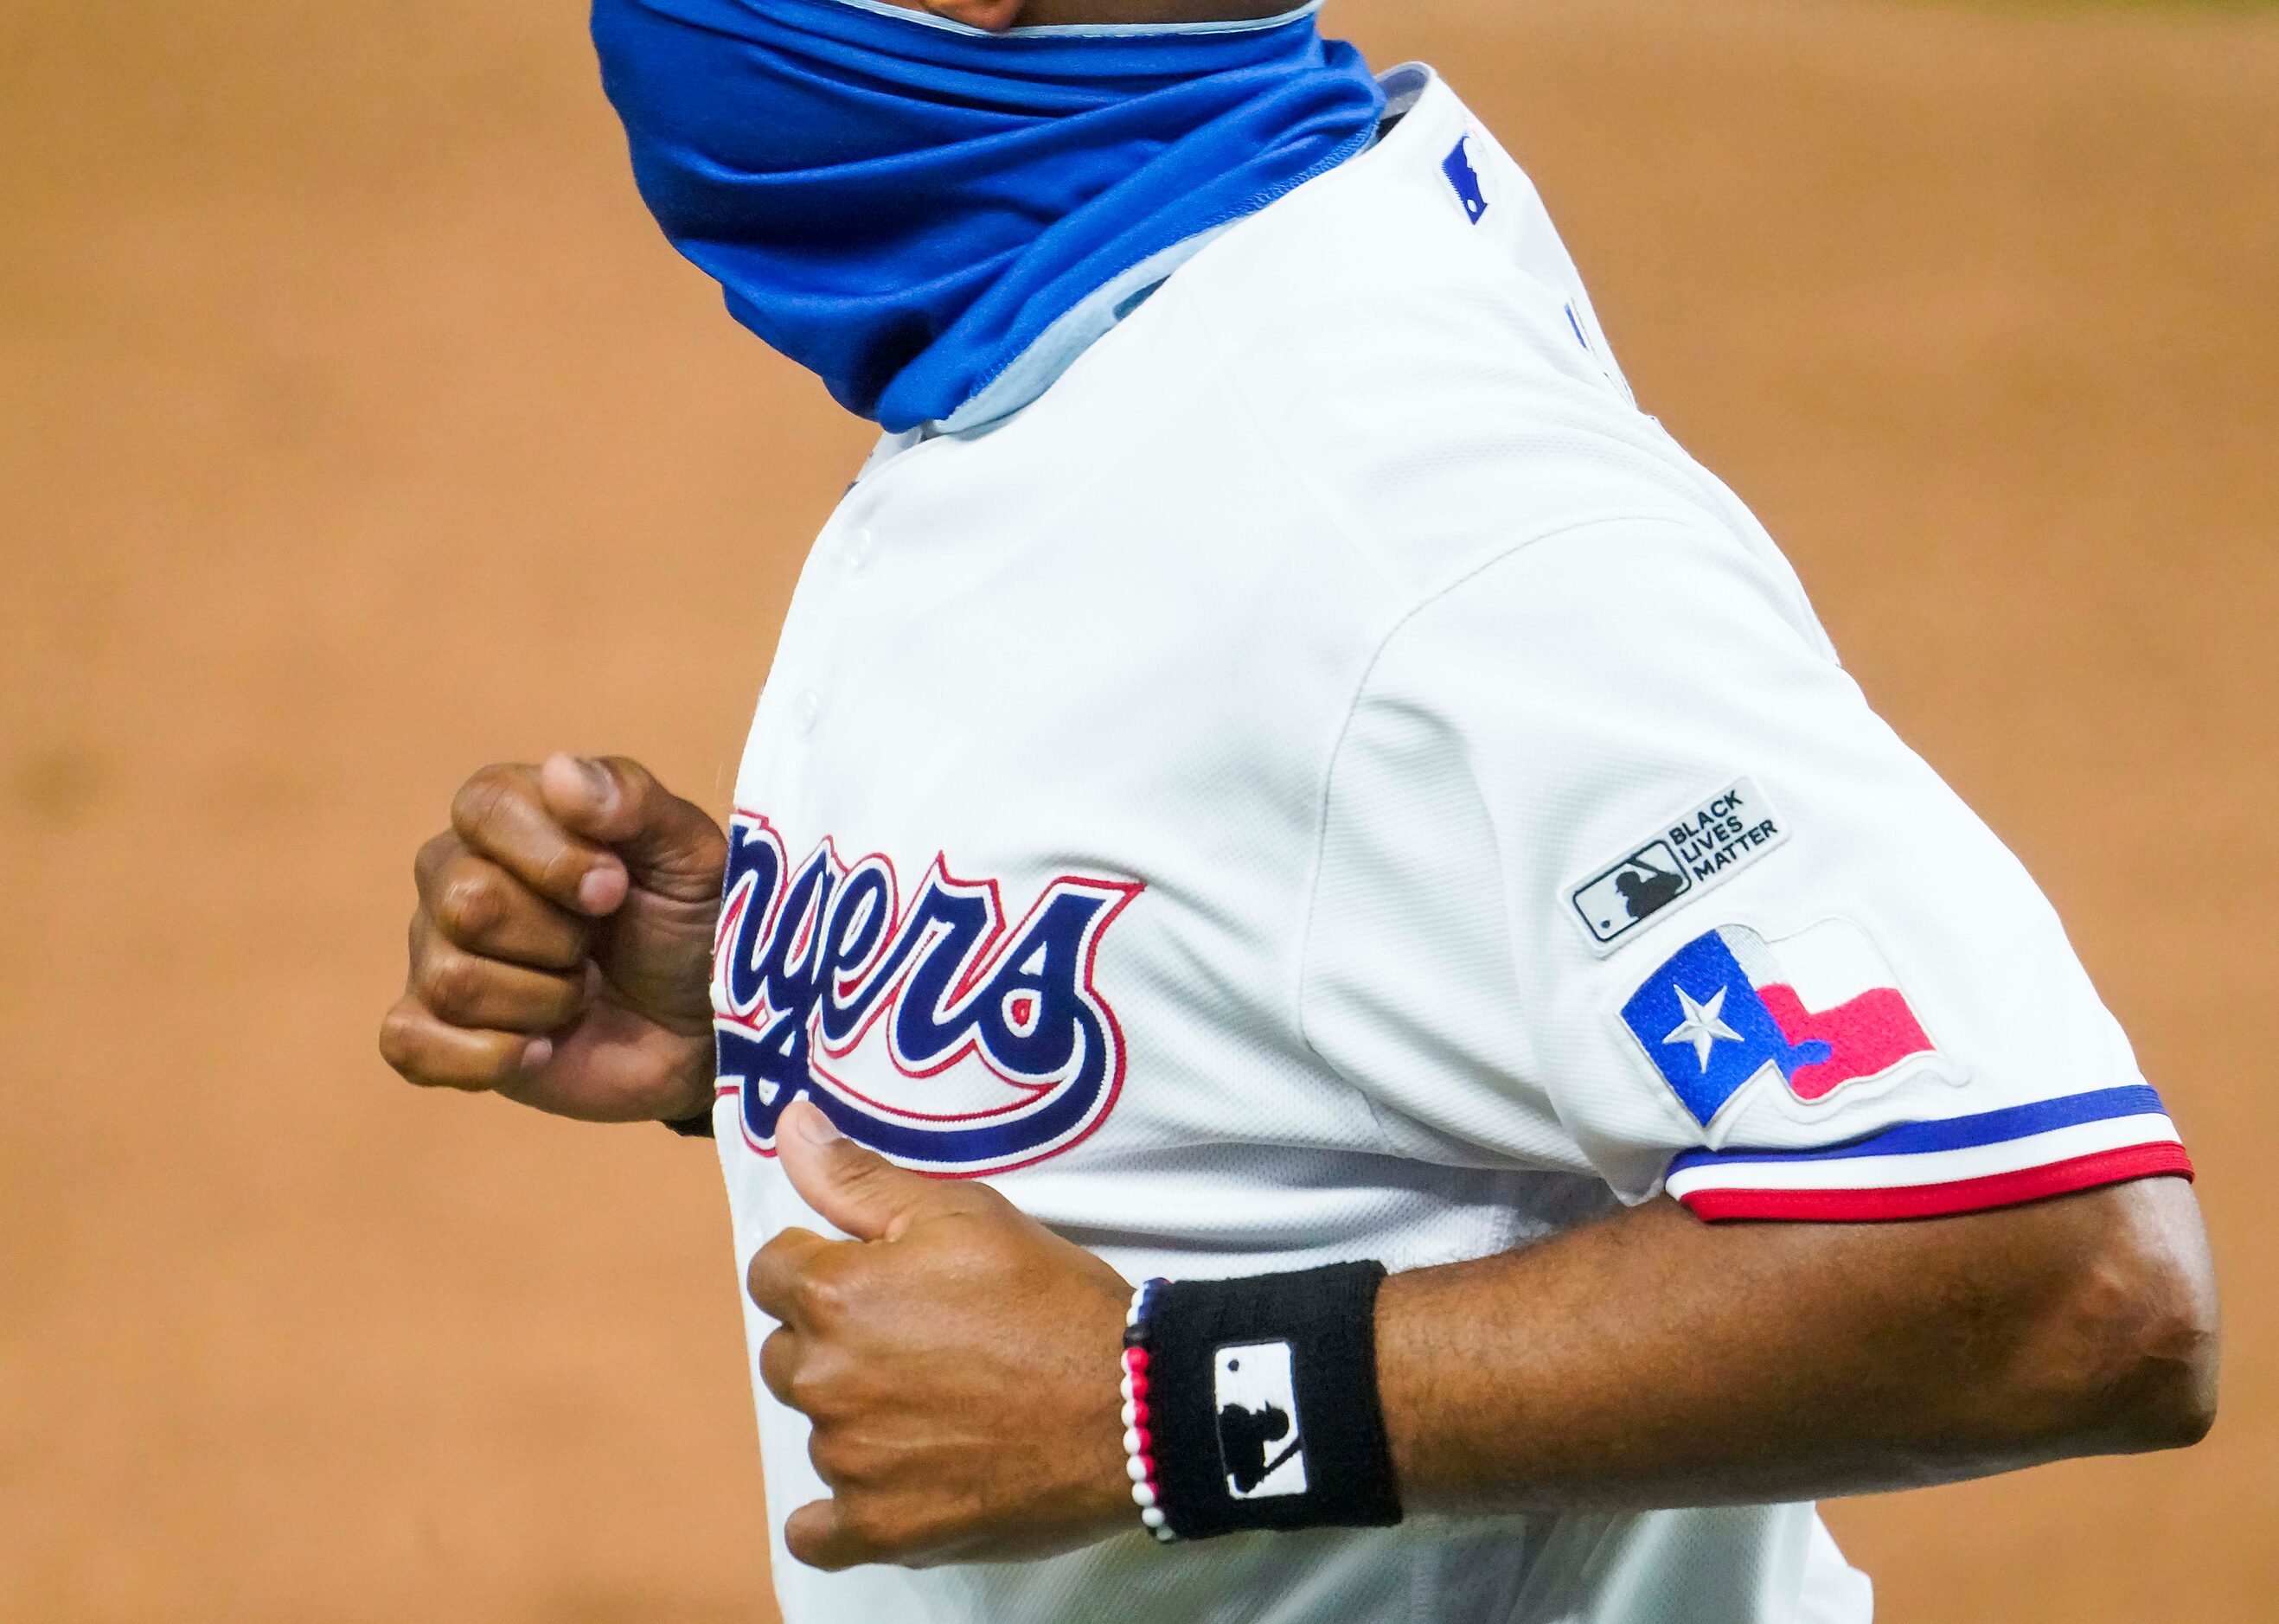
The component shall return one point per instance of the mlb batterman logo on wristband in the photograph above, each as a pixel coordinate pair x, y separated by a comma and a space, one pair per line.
1259, 1440
1253, 1404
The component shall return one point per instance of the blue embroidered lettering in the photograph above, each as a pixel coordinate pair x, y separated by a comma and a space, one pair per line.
814, 969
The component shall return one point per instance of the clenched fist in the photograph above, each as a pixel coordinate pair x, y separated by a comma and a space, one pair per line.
562, 948
957, 1361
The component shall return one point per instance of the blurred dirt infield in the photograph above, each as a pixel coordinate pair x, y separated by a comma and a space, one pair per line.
357, 428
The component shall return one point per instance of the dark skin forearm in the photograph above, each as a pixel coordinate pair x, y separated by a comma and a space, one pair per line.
1654, 1360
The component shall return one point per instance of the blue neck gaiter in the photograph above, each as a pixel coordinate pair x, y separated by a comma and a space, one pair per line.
907, 206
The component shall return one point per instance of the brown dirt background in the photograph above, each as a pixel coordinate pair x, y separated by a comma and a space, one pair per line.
356, 428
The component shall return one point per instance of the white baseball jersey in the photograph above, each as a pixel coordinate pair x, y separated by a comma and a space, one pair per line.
1330, 779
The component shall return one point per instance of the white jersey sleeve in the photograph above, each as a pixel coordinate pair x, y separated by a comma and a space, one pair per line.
1620, 875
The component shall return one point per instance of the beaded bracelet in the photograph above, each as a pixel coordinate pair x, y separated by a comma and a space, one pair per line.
1139, 1440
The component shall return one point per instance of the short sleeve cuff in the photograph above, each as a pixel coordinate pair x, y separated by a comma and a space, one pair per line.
1960, 1164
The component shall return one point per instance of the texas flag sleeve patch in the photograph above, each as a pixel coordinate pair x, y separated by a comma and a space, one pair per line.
1821, 1008
1818, 1011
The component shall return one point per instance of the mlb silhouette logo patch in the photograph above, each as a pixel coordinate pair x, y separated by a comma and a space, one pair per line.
1820, 1009
1466, 181
1631, 892
1259, 1443
1704, 846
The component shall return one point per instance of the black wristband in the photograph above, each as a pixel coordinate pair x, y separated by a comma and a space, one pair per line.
694, 1127
1261, 1402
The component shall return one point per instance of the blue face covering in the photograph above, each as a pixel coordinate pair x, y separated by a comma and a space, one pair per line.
909, 206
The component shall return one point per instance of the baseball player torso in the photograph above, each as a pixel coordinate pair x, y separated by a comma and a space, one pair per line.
1247, 803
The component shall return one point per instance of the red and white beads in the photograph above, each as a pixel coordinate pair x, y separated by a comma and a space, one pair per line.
1139, 1441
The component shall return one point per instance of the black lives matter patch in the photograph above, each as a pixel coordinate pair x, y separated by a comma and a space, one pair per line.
1706, 846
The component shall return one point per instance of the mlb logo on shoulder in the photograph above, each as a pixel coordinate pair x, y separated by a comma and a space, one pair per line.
1821, 1008
1632, 892
1465, 181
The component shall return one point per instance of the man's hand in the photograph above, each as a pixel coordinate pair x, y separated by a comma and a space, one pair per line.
562, 949
957, 1360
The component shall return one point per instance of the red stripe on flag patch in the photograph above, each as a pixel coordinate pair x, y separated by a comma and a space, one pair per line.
1867, 1035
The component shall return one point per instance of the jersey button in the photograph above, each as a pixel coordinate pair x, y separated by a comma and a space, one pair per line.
807, 709
860, 548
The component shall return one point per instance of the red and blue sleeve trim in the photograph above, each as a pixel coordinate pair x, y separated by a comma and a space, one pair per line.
1959, 1164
